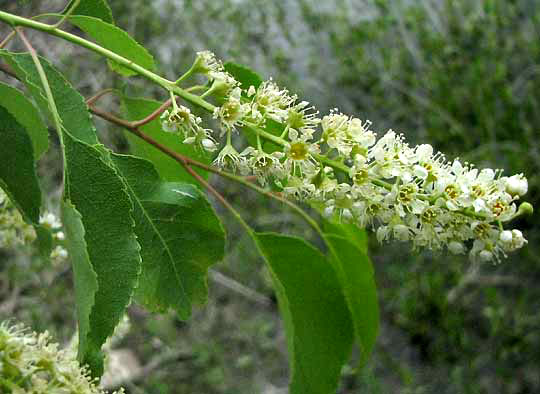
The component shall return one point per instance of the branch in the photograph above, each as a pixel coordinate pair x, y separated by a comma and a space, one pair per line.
239, 288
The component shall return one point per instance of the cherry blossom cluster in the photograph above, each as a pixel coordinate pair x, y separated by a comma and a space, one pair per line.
30, 363
14, 231
403, 192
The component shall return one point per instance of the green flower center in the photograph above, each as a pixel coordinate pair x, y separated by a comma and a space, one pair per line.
298, 151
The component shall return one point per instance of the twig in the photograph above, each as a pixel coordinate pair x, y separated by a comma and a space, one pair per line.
7, 39
153, 115
98, 95
239, 288
149, 368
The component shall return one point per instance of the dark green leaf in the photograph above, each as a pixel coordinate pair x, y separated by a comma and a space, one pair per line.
356, 275
70, 104
98, 193
317, 320
117, 40
168, 169
86, 284
26, 114
243, 74
96, 8
44, 241
180, 238
17, 171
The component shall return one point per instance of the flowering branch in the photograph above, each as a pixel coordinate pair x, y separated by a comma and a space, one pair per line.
405, 193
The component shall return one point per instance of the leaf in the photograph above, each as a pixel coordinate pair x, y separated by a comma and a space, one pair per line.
244, 75
168, 169
27, 115
349, 231
180, 237
356, 275
116, 40
317, 320
98, 193
17, 171
86, 284
70, 104
44, 241
96, 8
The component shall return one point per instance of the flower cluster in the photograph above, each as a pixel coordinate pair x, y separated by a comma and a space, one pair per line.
403, 192
14, 231
30, 363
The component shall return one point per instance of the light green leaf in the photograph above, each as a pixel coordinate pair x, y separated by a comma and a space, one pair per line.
70, 104
17, 171
98, 193
116, 40
180, 238
317, 320
26, 114
168, 169
356, 275
349, 231
244, 75
86, 284
96, 8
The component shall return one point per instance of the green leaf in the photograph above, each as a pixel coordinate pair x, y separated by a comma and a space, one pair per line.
168, 169
349, 231
17, 171
356, 275
86, 284
44, 241
317, 320
96, 8
116, 40
70, 104
98, 193
244, 75
180, 238
27, 115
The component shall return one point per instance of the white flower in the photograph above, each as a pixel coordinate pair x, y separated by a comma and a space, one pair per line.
50, 220
180, 119
517, 185
299, 153
228, 158
206, 63
233, 111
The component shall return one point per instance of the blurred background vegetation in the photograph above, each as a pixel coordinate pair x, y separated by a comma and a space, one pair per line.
462, 75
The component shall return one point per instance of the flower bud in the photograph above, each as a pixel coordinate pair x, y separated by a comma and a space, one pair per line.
208, 145
456, 247
517, 185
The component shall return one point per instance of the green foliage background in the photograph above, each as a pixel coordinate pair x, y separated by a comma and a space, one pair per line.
461, 75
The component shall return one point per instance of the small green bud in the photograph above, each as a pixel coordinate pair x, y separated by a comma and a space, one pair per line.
525, 208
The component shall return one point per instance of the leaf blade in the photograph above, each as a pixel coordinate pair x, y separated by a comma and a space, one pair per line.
317, 351
96, 8
27, 115
180, 237
356, 275
70, 103
84, 276
246, 76
116, 40
97, 192
18, 176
